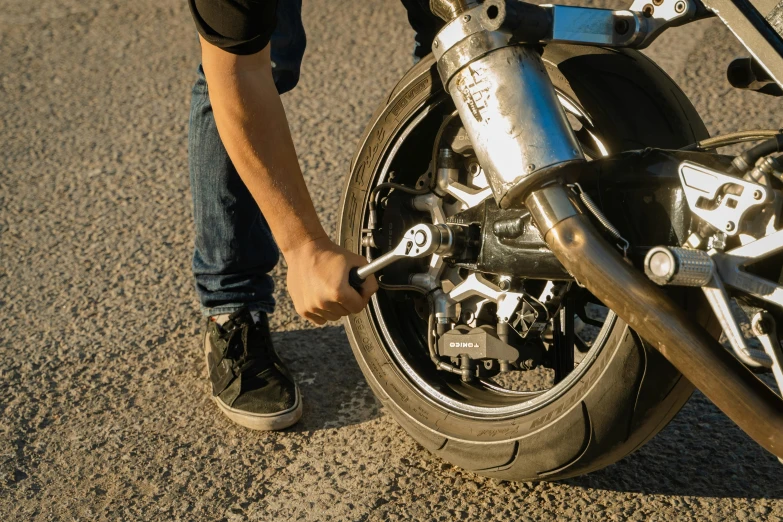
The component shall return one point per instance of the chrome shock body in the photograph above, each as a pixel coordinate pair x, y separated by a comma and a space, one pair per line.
507, 105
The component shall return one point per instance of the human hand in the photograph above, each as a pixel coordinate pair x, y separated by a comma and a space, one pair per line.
318, 281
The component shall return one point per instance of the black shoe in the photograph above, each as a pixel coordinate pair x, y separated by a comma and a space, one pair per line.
249, 381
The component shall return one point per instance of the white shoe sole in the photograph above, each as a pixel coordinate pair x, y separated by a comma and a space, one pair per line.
259, 421
263, 422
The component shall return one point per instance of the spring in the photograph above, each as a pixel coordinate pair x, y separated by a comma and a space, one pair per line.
596, 212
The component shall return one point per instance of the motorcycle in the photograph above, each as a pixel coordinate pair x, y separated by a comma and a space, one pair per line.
558, 243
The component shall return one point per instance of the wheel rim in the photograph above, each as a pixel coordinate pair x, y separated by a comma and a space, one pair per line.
480, 399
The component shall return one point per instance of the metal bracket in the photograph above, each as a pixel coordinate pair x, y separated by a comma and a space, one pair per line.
730, 265
764, 327
585, 25
532, 317
660, 15
468, 196
636, 27
477, 285
719, 199
687, 267
719, 301
753, 31
473, 34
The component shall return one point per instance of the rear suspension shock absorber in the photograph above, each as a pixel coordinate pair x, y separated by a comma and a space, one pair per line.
506, 102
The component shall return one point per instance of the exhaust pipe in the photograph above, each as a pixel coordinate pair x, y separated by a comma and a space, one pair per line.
522, 138
644, 307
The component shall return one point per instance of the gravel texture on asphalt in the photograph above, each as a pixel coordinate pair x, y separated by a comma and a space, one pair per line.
104, 405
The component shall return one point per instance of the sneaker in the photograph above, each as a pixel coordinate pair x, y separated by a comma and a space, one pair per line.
249, 381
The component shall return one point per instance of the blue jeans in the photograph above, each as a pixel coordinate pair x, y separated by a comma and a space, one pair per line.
234, 248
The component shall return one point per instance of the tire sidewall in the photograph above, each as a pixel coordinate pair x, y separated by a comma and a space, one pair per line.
620, 356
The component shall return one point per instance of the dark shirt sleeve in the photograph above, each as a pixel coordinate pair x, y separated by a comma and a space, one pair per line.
236, 26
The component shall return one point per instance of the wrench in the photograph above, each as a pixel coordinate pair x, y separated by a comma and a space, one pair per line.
419, 241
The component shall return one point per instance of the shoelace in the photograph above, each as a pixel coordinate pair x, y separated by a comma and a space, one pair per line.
236, 332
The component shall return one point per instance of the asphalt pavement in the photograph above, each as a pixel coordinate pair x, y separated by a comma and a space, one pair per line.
104, 404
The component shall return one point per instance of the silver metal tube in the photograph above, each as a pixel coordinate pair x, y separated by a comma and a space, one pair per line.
645, 308
513, 118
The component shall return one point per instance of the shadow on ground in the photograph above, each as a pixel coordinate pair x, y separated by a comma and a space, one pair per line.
700, 454
334, 390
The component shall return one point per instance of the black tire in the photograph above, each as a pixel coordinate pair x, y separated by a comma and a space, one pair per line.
628, 392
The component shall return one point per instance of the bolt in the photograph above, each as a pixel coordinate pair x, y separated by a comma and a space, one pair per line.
435, 44
757, 194
467, 316
657, 2
621, 26
729, 226
679, 7
505, 284
531, 168
648, 10
466, 18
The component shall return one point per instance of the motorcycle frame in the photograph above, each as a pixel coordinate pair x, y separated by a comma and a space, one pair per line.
643, 22
488, 61
753, 31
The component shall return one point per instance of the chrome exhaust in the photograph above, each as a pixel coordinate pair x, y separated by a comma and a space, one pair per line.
733, 388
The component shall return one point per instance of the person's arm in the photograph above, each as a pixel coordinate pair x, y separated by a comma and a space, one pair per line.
253, 127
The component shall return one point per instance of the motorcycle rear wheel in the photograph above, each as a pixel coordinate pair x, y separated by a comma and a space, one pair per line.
624, 391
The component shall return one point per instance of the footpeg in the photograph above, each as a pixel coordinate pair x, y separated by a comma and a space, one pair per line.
419, 241
677, 266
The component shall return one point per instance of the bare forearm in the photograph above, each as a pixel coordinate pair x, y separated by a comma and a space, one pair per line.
253, 127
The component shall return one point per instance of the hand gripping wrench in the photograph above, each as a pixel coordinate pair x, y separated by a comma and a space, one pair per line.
419, 241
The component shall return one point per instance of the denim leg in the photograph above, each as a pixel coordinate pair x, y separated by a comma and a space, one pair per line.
234, 247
